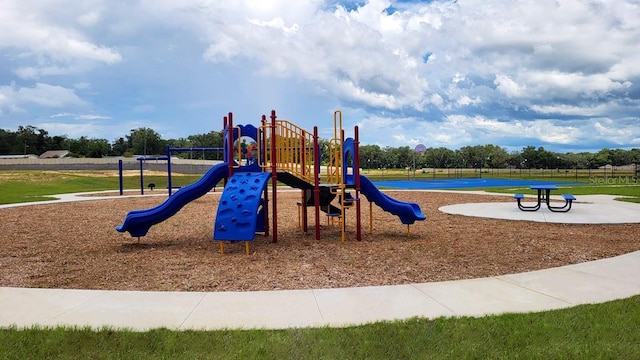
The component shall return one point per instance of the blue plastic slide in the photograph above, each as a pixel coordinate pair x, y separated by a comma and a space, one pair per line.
406, 211
138, 222
239, 211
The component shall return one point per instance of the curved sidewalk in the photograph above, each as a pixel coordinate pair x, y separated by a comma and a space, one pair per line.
556, 288
591, 282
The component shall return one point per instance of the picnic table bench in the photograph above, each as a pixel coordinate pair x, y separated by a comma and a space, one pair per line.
544, 192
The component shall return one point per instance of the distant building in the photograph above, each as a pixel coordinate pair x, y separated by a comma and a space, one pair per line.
54, 154
620, 167
21, 156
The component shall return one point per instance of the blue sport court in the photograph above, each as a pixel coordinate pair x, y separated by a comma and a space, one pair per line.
461, 183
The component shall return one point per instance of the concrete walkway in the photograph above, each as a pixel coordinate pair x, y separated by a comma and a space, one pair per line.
556, 288
588, 209
562, 287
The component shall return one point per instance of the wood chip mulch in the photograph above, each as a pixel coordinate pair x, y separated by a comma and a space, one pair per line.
75, 245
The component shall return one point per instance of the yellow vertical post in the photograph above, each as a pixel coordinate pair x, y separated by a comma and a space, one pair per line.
221, 248
370, 218
290, 151
246, 247
343, 213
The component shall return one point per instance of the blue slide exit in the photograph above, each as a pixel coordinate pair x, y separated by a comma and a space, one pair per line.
406, 211
239, 214
138, 222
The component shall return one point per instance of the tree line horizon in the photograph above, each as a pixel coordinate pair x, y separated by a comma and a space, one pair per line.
146, 141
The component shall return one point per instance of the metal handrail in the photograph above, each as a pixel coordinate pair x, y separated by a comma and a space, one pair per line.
294, 149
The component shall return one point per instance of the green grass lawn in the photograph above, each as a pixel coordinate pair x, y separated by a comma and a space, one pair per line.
629, 193
28, 186
601, 331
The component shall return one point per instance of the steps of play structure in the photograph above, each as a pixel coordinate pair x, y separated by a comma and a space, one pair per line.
240, 212
326, 196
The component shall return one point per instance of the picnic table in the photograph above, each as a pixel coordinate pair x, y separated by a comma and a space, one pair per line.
544, 193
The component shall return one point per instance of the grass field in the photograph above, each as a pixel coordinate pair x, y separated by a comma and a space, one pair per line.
602, 331
586, 176
28, 186
609, 330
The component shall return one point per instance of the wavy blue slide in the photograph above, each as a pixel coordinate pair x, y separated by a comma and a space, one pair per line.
406, 211
138, 222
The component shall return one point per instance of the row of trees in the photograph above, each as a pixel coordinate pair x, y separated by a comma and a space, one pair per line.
141, 141
146, 141
492, 156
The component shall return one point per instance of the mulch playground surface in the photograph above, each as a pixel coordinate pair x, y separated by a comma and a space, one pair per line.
75, 245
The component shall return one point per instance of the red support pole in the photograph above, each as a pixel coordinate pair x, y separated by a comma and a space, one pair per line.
316, 180
274, 178
356, 174
230, 144
303, 163
262, 143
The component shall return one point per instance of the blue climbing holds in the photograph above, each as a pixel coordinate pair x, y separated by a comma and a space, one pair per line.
240, 201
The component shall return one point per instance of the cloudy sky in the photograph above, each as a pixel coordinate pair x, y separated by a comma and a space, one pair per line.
564, 75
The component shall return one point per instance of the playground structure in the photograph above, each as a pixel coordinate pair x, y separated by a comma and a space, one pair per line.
283, 152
